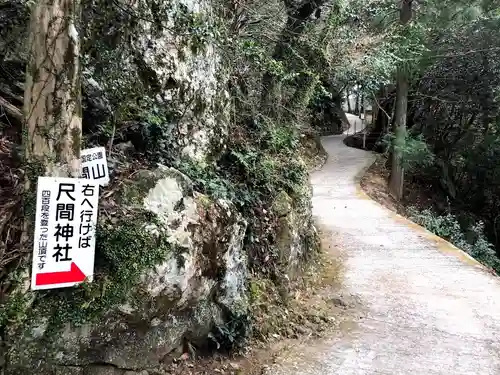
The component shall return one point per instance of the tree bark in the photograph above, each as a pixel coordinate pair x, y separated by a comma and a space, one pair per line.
374, 110
396, 181
349, 108
381, 107
361, 104
52, 98
52, 101
356, 105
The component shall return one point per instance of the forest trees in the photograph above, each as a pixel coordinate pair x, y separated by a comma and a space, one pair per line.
407, 47
402, 86
457, 113
449, 50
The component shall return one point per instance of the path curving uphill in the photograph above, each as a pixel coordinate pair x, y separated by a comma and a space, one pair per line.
427, 307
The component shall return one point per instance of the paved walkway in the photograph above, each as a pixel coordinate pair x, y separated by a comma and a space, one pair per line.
427, 307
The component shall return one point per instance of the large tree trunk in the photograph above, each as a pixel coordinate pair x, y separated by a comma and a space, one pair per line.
52, 100
361, 104
396, 180
349, 107
356, 105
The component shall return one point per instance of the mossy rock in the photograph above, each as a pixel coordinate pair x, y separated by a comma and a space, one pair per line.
164, 271
282, 204
295, 238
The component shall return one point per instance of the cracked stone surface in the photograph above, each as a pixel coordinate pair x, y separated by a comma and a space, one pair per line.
427, 308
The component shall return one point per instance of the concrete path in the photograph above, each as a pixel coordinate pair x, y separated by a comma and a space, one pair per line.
427, 308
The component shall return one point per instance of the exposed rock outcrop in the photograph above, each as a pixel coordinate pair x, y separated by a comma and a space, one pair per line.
158, 52
172, 264
200, 281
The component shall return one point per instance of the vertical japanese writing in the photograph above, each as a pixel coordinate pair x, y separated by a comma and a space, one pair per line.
64, 241
86, 215
44, 229
64, 226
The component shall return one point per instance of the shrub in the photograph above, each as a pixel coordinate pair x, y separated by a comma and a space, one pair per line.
415, 152
471, 239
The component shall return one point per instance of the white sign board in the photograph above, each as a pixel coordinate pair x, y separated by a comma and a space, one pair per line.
94, 165
65, 227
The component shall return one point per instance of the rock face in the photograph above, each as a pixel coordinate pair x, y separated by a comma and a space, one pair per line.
198, 284
191, 71
168, 53
157, 61
162, 79
296, 232
194, 288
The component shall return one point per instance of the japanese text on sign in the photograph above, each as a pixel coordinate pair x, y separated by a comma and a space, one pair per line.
94, 165
64, 245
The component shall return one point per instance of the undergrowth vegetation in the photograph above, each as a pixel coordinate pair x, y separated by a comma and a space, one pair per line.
430, 75
226, 93
118, 273
464, 234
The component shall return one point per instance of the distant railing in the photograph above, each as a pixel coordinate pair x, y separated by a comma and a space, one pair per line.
363, 129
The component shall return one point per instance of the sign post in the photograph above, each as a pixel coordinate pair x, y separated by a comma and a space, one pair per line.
65, 227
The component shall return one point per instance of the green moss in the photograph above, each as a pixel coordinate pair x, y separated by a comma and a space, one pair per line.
256, 290
125, 250
282, 205
204, 201
134, 193
14, 309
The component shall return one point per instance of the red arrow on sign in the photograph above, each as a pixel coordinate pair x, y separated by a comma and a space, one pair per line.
74, 275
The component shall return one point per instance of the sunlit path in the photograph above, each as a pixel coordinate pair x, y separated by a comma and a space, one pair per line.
427, 307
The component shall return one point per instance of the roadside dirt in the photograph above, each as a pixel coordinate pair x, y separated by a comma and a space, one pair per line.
316, 307
416, 193
374, 183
